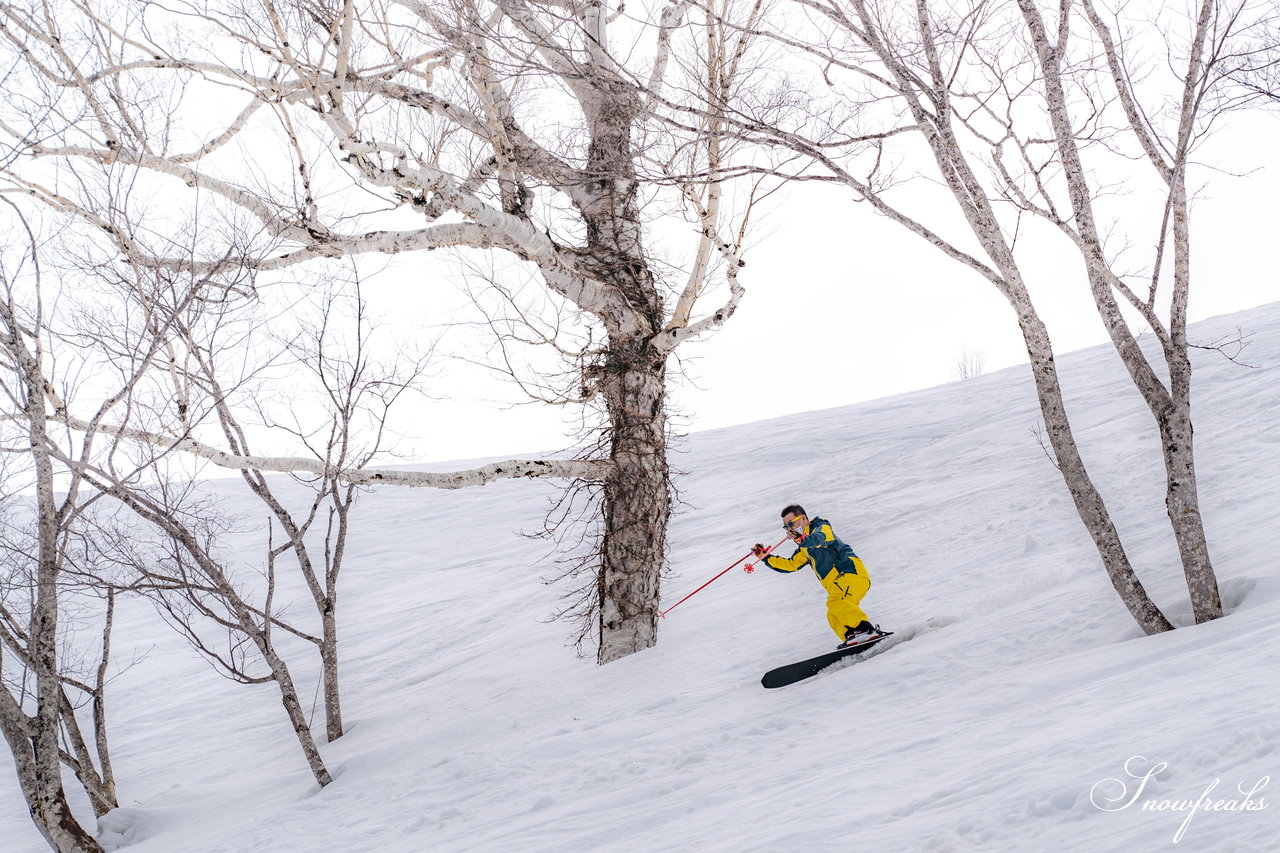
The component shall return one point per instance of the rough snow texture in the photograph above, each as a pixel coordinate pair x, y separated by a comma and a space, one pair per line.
1016, 682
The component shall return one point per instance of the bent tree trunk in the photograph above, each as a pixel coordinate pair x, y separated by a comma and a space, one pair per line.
1171, 406
1088, 502
215, 585
41, 782
970, 193
293, 708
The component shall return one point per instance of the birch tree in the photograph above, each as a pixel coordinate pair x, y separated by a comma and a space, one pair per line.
1025, 112
85, 661
34, 705
534, 130
343, 425
176, 561
171, 546
170, 541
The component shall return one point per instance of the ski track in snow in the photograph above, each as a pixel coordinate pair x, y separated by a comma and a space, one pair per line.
1014, 684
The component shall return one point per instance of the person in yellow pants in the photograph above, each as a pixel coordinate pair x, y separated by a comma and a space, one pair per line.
840, 571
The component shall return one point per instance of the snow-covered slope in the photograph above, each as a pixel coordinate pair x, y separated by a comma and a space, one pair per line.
1015, 686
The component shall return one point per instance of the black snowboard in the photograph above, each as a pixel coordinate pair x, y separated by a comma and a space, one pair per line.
793, 672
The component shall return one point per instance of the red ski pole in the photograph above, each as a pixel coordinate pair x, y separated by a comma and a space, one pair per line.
749, 567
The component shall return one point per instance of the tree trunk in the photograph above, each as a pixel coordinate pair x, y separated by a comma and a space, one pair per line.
329, 665
293, 707
100, 788
42, 789
244, 616
637, 498
1177, 435
637, 504
46, 799
261, 639
323, 594
1089, 503
1171, 407
34, 740
1182, 501
108, 777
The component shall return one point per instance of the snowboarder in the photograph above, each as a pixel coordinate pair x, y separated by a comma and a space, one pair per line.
841, 572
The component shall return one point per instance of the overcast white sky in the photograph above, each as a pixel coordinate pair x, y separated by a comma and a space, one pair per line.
835, 290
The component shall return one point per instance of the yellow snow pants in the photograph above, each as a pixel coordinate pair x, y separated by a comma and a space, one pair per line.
844, 598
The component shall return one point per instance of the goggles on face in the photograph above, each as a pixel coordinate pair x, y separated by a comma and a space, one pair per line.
794, 525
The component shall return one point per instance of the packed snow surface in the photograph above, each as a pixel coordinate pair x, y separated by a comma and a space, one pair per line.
1018, 707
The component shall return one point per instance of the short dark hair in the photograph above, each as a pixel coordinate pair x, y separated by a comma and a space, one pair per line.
793, 509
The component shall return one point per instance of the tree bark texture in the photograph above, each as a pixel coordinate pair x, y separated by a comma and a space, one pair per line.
34, 739
632, 381
1089, 503
1182, 501
637, 505
1170, 406
329, 669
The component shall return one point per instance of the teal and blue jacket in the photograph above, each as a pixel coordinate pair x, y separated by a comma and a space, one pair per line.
820, 549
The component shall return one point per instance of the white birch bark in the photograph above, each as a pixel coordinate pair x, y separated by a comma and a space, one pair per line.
34, 738
928, 99
364, 476
1170, 406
